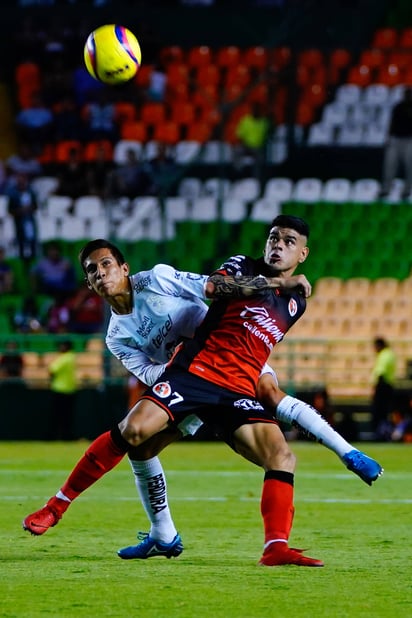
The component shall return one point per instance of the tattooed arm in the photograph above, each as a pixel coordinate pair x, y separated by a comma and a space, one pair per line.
223, 286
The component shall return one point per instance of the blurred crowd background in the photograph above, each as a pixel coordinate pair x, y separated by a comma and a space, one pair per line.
240, 111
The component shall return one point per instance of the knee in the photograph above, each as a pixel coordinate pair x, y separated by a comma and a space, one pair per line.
131, 432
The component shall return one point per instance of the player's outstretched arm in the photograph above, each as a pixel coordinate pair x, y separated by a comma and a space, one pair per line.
224, 286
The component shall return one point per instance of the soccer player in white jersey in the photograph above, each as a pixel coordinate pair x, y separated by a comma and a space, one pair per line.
151, 312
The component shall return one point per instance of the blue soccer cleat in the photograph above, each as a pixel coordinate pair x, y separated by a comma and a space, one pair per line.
365, 467
149, 548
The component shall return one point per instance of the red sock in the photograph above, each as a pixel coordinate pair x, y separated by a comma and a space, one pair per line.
277, 505
101, 456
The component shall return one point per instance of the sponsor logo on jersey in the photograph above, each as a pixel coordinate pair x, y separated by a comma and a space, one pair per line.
145, 327
293, 307
261, 325
247, 404
162, 390
141, 284
160, 336
194, 277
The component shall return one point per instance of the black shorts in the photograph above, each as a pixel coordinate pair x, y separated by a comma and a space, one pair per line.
180, 393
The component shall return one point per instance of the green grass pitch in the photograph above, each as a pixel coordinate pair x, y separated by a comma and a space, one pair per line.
362, 533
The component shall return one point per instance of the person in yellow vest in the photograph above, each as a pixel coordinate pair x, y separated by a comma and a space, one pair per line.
63, 387
383, 378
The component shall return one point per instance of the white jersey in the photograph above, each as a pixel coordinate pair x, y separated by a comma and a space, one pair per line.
168, 305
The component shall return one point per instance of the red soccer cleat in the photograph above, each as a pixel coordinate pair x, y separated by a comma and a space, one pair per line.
277, 554
40, 521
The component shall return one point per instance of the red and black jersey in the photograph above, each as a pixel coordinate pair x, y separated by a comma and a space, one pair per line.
236, 337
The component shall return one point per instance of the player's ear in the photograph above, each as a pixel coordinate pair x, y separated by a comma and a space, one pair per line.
304, 254
126, 269
88, 283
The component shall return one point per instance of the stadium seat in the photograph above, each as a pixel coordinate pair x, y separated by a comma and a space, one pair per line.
278, 189
199, 56
375, 135
349, 135
186, 151
264, 210
405, 38
125, 111
190, 188
199, 132
152, 113
350, 94
245, 190
336, 190
58, 205
208, 76
360, 75
385, 38
88, 207
234, 210
215, 151
320, 134
43, 186
93, 148
256, 58
307, 190
167, 132
205, 209
122, 146
228, 56
64, 147
73, 228
134, 130
218, 188
183, 113
365, 190
376, 94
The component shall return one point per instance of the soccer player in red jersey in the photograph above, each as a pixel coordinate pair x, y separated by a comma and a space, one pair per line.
215, 375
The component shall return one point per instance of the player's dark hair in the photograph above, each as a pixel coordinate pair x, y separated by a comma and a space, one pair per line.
100, 243
292, 222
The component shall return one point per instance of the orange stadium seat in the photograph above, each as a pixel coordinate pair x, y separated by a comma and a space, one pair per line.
208, 75
385, 38
167, 132
135, 130
405, 38
360, 75
255, 58
151, 113
143, 75
125, 111
390, 75
92, 148
311, 58
199, 56
227, 57
373, 58
171, 54
199, 132
176, 73
182, 113
64, 147
239, 75
281, 57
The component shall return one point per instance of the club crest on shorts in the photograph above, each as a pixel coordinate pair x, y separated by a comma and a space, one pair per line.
162, 390
292, 307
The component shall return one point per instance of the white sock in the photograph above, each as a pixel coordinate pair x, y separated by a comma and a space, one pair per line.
151, 485
291, 410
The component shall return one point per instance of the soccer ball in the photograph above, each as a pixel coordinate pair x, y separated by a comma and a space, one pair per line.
112, 54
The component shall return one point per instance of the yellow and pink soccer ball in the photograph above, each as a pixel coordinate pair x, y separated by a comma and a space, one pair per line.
112, 54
